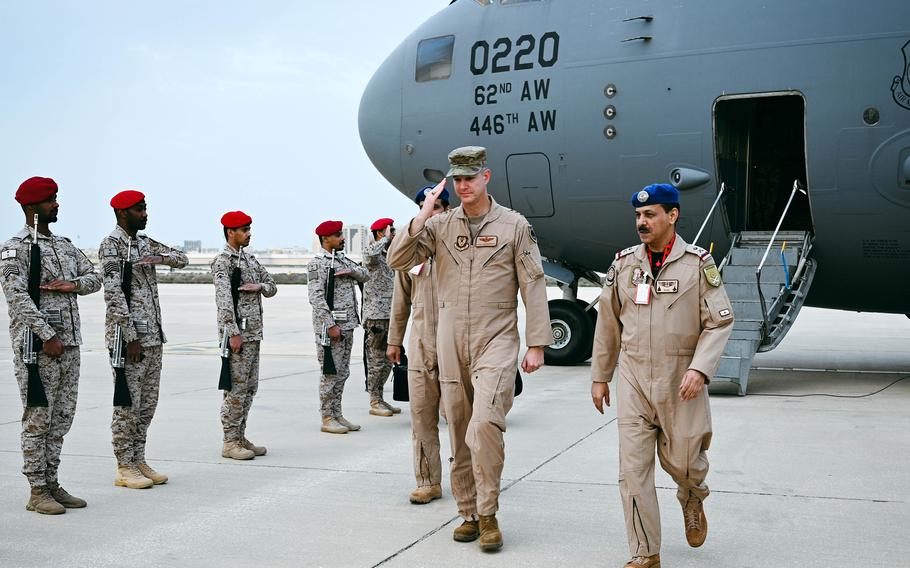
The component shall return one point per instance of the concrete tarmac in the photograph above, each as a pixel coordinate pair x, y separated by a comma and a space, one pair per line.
810, 469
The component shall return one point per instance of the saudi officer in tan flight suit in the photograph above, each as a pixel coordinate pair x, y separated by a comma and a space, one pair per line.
484, 255
664, 315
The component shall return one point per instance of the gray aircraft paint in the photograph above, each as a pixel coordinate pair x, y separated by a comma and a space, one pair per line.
574, 182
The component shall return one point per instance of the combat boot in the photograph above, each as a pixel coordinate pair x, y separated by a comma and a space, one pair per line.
61, 496
157, 478
394, 409
490, 536
349, 425
695, 522
258, 450
425, 494
130, 476
235, 451
644, 562
467, 532
42, 502
377, 408
333, 426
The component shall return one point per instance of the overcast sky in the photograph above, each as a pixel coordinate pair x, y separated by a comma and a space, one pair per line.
203, 106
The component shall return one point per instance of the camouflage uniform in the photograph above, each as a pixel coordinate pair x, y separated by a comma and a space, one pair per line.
142, 321
43, 428
332, 386
415, 295
377, 307
235, 409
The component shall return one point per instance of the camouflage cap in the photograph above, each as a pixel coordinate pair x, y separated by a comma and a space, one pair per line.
467, 161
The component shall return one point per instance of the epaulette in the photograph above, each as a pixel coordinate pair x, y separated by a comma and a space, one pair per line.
625, 252
698, 251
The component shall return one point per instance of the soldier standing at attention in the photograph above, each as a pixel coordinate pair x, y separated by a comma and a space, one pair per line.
415, 293
377, 307
665, 317
44, 313
139, 319
241, 321
334, 325
484, 255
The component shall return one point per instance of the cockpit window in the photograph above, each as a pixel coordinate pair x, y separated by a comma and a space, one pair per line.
434, 58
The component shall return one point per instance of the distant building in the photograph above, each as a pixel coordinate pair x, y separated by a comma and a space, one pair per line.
192, 246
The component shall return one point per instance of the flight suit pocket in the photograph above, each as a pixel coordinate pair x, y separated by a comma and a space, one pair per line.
530, 269
720, 312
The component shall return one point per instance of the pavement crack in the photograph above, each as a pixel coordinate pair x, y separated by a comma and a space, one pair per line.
427, 535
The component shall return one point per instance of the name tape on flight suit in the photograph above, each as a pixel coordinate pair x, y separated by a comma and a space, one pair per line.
486, 241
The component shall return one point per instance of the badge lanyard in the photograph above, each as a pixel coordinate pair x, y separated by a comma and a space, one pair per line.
660, 263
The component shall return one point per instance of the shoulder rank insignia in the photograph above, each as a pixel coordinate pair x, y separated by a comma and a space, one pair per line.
698, 251
625, 252
712, 275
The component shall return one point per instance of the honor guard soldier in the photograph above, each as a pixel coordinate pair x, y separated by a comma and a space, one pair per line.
128, 262
240, 282
484, 255
331, 279
377, 307
665, 317
415, 294
42, 274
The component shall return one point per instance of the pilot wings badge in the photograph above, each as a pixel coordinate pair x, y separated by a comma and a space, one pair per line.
900, 86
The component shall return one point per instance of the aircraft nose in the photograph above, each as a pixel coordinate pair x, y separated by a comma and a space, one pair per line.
379, 119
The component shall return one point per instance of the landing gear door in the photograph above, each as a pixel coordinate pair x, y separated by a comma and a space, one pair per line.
530, 184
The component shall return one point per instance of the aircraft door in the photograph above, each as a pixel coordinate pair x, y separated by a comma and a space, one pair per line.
530, 184
760, 149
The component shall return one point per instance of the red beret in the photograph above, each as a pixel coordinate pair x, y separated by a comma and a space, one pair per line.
35, 190
380, 224
234, 219
126, 199
327, 228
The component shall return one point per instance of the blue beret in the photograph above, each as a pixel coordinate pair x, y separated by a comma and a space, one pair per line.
655, 194
420, 196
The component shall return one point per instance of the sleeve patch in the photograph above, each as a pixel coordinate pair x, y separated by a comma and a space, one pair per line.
724, 313
8, 253
109, 267
611, 275
531, 233
10, 270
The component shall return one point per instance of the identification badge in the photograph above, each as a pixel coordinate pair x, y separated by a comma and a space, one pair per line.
242, 324
340, 316
643, 294
416, 270
142, 327
53, 316
667, 286
487, 241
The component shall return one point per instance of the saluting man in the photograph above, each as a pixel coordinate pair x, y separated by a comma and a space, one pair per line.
242, 321
415, 295
63, 273
377, 307
334, 326
664, 315
485, 255
139, 318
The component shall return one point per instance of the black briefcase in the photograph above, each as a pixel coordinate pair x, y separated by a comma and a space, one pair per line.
519, 384
400, 380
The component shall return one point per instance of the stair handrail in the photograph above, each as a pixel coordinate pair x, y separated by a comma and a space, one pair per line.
764, 258
720, 194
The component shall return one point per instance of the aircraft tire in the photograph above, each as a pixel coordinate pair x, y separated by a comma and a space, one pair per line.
592, 315
573, 332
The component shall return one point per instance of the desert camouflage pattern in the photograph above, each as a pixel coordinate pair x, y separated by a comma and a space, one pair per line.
144, 305
235, 408
130, 424
249, 306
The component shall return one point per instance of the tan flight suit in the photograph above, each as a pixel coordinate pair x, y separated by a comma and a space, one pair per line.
477, 338
685, 326
415, 293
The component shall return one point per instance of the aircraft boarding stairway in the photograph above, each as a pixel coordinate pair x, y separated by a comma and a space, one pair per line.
767, 275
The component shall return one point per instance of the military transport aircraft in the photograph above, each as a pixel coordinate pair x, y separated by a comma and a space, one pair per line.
785, 125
